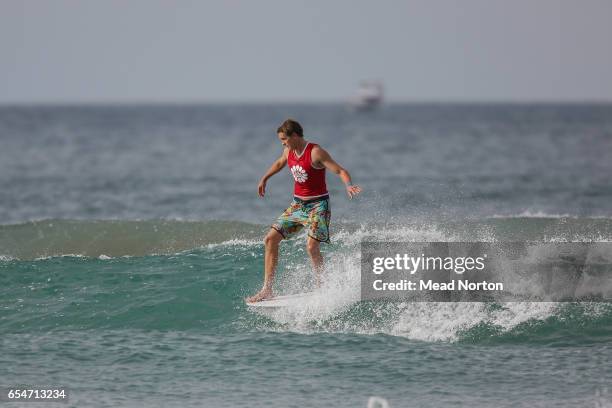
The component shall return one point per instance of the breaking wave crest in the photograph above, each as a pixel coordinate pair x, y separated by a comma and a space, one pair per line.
177, 275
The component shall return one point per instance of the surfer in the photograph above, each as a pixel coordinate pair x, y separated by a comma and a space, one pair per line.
310, 206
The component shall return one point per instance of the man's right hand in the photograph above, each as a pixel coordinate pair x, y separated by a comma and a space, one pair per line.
262, 188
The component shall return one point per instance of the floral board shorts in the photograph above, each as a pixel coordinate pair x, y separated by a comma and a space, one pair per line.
313, 214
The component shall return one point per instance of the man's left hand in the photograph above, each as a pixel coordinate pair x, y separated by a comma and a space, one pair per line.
352, 191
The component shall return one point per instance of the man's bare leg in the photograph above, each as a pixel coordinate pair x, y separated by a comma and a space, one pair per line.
271, 241
313, 248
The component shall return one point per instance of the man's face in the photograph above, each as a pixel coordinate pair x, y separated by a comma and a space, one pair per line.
288, 141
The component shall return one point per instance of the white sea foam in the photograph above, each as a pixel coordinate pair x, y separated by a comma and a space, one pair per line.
235, 242
444, 321
43, 258
424, 321
534, 214
544, 214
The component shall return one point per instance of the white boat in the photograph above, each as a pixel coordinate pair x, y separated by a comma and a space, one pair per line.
369, 96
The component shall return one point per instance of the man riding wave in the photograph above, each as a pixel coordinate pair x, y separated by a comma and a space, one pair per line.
310, 208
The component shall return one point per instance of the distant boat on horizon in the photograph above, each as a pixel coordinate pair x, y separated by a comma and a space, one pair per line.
369, 96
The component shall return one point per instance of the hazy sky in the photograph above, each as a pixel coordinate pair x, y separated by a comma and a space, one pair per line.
229, 50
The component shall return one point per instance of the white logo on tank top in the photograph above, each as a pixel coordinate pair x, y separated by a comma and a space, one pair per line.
299, 174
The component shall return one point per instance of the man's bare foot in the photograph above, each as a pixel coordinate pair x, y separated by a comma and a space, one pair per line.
259, 296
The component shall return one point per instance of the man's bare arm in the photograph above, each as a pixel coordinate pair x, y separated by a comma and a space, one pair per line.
275, 168
320, 157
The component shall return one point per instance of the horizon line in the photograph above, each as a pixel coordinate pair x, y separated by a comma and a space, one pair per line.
179, 102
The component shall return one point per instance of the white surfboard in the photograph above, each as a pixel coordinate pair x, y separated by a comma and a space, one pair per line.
282, 301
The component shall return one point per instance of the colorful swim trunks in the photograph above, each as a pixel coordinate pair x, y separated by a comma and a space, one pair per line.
313, 214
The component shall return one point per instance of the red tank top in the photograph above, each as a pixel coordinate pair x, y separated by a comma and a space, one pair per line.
309, 181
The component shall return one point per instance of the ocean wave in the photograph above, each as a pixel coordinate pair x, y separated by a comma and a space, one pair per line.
176, 275
204, 290
116, 238
337, 309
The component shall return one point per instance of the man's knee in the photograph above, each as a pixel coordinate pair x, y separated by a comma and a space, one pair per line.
273, 237
312, 246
